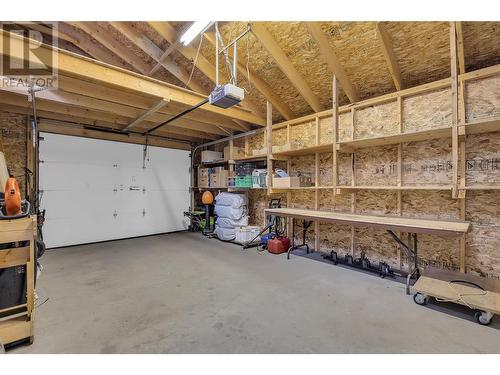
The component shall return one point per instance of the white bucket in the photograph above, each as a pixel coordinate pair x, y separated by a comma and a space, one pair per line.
245, 234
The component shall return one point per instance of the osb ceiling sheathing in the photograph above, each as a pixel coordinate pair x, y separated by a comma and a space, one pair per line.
421, 48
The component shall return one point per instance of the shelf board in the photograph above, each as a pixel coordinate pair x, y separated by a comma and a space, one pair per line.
306, 150
482, 126
394, 139
421, 187
482, 187
212, 163
251, 158
209, 188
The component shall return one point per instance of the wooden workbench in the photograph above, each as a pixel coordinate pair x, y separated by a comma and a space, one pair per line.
16, 322
391, 224
410, 225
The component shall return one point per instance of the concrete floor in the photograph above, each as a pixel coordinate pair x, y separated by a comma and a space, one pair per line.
183, 293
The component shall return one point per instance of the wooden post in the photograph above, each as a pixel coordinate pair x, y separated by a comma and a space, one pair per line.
269, 143
316, 198
335, 115
454, 108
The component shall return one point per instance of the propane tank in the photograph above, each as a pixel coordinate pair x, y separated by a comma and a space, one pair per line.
12, 197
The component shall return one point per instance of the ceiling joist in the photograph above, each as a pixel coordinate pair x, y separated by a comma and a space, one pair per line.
96, 32
104, 74
155, 52
388, 51
286, 66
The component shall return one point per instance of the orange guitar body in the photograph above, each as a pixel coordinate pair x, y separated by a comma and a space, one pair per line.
12, 197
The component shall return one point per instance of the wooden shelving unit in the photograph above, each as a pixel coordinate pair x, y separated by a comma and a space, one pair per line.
336, 131
16, 322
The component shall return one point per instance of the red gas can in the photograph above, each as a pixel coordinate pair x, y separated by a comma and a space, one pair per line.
278, 245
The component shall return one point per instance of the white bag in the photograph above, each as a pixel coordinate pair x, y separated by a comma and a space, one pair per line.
224, 234
225, 222
230, 212
232, 200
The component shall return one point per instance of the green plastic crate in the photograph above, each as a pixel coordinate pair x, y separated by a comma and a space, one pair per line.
244, 181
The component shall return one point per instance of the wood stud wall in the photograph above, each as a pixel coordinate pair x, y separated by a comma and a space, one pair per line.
403, 194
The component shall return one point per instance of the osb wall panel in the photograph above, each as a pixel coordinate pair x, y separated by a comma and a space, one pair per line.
483, 159
258, 201
376, 244
376, 121
330, 202
377, 202
326, 169
437, 251
302, 166
376, 166
427, 111
482, 207
482, 99
303, 199
303, 135
345, 127
325, 130
335, 237
13, 132
256, 142
433, 250
279, 137
344, 174
483, 254
427, 162
425, 204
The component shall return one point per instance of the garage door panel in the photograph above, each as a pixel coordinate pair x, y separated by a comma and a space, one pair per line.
98, 190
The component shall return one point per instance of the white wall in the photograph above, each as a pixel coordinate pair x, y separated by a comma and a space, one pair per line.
87, 183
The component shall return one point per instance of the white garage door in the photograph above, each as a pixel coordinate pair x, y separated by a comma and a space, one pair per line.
97, 190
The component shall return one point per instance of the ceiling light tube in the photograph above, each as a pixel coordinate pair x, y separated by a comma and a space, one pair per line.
194, 30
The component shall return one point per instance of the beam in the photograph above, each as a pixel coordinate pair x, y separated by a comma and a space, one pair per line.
460, 47
86, 121
332, 60
146, 114
260, 84
80, 131
155, 52
91, 117
78, 66
143, 102
286, 66
99, 34
388, 50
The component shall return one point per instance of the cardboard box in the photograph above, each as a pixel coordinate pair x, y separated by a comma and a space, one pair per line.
219, 179
238, 152
286, 182
210, 156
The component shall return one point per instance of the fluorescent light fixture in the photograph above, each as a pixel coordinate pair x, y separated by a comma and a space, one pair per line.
196, 28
